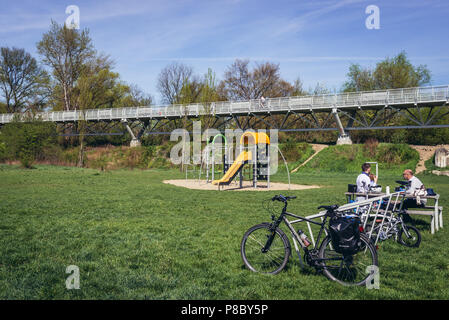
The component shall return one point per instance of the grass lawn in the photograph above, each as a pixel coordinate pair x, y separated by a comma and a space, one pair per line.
134, 237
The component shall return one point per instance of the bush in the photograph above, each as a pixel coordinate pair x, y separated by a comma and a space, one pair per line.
370, 147
3, 153
26, 141
396, 153
295, 152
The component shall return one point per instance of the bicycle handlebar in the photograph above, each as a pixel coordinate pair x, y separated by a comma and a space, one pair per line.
282, 198
403, 183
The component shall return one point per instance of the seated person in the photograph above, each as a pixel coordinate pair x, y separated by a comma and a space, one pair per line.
413, 190
363, 181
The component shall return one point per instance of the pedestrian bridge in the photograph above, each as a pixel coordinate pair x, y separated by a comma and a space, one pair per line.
422, 107
396, 98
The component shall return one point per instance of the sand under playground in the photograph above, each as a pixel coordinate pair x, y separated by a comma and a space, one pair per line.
234, 186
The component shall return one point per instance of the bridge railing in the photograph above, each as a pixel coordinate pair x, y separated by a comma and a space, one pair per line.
298, 103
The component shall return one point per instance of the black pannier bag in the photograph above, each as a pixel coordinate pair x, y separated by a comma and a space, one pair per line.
352, 188
345, 235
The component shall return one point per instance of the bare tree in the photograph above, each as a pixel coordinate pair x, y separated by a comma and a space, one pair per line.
237, 81
139, 97
264, 80
66, 51
23, 83
171, 81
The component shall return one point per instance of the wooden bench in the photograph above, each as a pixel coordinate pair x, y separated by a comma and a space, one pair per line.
436, 214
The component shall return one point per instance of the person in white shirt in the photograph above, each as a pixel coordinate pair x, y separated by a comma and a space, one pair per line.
363, 181
262, 102
412, 190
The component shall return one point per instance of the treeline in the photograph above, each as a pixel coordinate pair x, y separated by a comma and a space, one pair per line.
71, 74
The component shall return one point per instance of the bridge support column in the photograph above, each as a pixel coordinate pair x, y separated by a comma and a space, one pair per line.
343, 137
135, 142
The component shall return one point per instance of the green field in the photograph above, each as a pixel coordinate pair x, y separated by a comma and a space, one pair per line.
134, 237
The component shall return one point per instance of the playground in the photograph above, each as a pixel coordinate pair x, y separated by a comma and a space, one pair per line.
249, 171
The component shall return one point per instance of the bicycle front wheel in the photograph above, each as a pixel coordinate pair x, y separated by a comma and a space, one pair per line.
348, 270
409, 236
257, 257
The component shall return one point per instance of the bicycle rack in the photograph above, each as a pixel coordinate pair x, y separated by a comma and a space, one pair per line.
376, 208
382, 207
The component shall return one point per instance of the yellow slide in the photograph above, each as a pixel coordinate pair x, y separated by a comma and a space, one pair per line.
235, 167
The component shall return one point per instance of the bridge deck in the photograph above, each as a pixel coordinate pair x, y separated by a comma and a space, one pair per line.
398, 98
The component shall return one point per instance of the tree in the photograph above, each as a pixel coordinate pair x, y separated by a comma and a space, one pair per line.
171, 81
137, 97
209, 94
66, 51
264, 80
359, 79
191, 91
237, 84
86, 98
297, 88
96, 87
397, 72
24, 85
101, 84
320, 88
3, 108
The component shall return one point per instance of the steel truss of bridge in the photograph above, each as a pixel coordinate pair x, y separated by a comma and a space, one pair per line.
421, 107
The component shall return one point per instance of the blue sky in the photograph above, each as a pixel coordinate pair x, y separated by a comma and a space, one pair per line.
313, 40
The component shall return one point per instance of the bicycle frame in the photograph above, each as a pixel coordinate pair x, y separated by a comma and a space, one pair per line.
295, 235
303, 219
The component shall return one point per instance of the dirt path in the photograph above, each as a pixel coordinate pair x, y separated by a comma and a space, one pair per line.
317, 148
425, 153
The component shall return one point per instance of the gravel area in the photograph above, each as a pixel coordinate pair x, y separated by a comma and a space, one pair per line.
234, 186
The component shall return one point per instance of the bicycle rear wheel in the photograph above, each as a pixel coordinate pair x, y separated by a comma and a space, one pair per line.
350, 269
255, 258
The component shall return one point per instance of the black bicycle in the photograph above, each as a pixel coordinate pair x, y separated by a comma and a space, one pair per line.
265, 248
